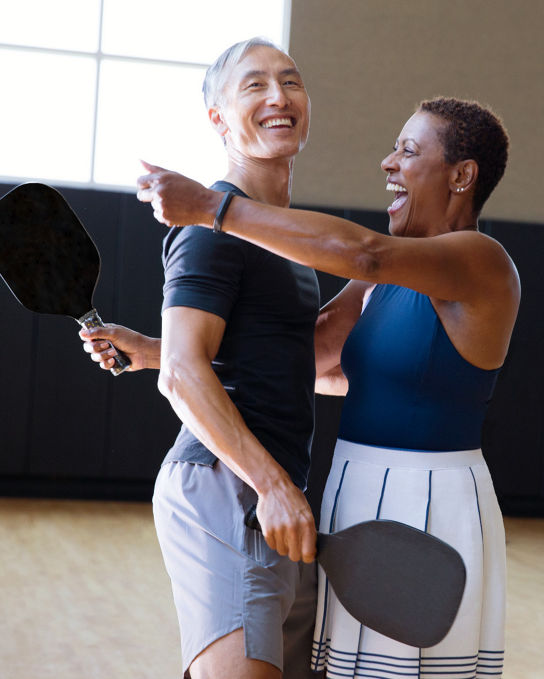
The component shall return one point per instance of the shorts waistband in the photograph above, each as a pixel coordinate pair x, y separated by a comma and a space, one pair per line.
414, 459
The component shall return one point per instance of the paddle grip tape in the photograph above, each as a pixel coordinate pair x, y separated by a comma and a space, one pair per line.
92, 320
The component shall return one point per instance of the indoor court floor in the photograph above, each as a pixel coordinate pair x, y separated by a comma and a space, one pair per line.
84, 593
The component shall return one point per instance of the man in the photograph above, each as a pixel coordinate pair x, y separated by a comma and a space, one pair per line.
237, 365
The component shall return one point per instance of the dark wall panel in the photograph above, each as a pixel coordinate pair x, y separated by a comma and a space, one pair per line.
69, 405
513, 437
16, 378
138, 449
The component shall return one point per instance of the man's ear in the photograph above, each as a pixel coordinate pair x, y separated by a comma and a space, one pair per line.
216, 119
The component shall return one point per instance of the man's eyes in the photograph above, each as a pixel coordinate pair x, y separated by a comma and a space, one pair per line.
285, 83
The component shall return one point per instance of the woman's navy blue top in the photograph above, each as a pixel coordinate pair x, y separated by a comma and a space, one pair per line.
408, 385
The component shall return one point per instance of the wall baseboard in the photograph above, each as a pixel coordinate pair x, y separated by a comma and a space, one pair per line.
122, 490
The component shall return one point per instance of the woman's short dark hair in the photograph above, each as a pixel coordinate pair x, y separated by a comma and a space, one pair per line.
474, 132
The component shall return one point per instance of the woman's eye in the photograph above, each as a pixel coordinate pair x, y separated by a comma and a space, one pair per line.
253, 85
408, 150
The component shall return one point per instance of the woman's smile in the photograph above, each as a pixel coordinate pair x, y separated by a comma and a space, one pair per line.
401, 196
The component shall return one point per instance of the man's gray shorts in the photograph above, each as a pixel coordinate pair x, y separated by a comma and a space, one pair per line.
224, 576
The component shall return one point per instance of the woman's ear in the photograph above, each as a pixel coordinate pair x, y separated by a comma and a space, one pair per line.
216, 119
463, 176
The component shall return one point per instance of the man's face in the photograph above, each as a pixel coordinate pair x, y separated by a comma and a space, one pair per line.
264, 107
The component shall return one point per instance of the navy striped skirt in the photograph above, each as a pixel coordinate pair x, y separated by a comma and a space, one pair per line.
450, 495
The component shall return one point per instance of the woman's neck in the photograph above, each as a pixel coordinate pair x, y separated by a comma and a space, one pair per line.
268, 181
460, 215
465, 221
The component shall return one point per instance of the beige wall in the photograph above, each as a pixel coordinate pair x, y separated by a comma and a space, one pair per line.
367, 63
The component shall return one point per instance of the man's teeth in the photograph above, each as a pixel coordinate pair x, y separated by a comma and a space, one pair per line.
277, 122
397, 188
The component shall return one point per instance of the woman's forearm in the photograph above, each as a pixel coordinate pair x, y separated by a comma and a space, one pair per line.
321, 241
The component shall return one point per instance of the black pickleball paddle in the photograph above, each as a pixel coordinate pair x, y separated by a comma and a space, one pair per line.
48, 259
393, 578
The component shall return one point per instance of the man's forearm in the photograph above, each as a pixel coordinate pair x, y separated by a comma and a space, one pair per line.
152, 353
332, 383
200, 401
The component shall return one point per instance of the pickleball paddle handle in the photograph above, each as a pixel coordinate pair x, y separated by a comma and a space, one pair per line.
251, 521
92, 320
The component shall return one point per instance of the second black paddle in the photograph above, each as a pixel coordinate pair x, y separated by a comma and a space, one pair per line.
393, 578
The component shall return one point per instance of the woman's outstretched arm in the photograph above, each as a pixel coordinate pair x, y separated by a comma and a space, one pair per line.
463, 266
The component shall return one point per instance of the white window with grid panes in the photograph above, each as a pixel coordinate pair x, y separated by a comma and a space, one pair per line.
92, 86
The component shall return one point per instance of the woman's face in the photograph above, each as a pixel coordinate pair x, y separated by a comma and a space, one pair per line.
264, 110
420, 178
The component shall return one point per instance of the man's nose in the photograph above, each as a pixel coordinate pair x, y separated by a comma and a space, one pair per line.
277, 95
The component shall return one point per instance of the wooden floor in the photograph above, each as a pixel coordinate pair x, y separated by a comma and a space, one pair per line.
84, 594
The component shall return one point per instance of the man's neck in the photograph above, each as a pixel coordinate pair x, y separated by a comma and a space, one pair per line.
268, 181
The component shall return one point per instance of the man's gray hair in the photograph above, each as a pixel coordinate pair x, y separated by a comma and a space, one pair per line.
218, 72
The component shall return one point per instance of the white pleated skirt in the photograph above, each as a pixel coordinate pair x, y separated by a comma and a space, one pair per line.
450, 495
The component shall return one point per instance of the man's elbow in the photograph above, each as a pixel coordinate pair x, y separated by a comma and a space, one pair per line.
173, 380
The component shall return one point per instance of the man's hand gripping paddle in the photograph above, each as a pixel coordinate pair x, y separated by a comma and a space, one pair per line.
48, 259
393, 578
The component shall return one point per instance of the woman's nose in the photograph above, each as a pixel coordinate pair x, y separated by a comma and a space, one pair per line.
389, 163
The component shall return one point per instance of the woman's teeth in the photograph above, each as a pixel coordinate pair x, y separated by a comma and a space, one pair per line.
397, 188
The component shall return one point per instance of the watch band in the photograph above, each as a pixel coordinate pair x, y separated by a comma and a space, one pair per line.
221, 210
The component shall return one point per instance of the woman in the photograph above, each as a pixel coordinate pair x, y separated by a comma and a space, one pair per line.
419, 364
237, 366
